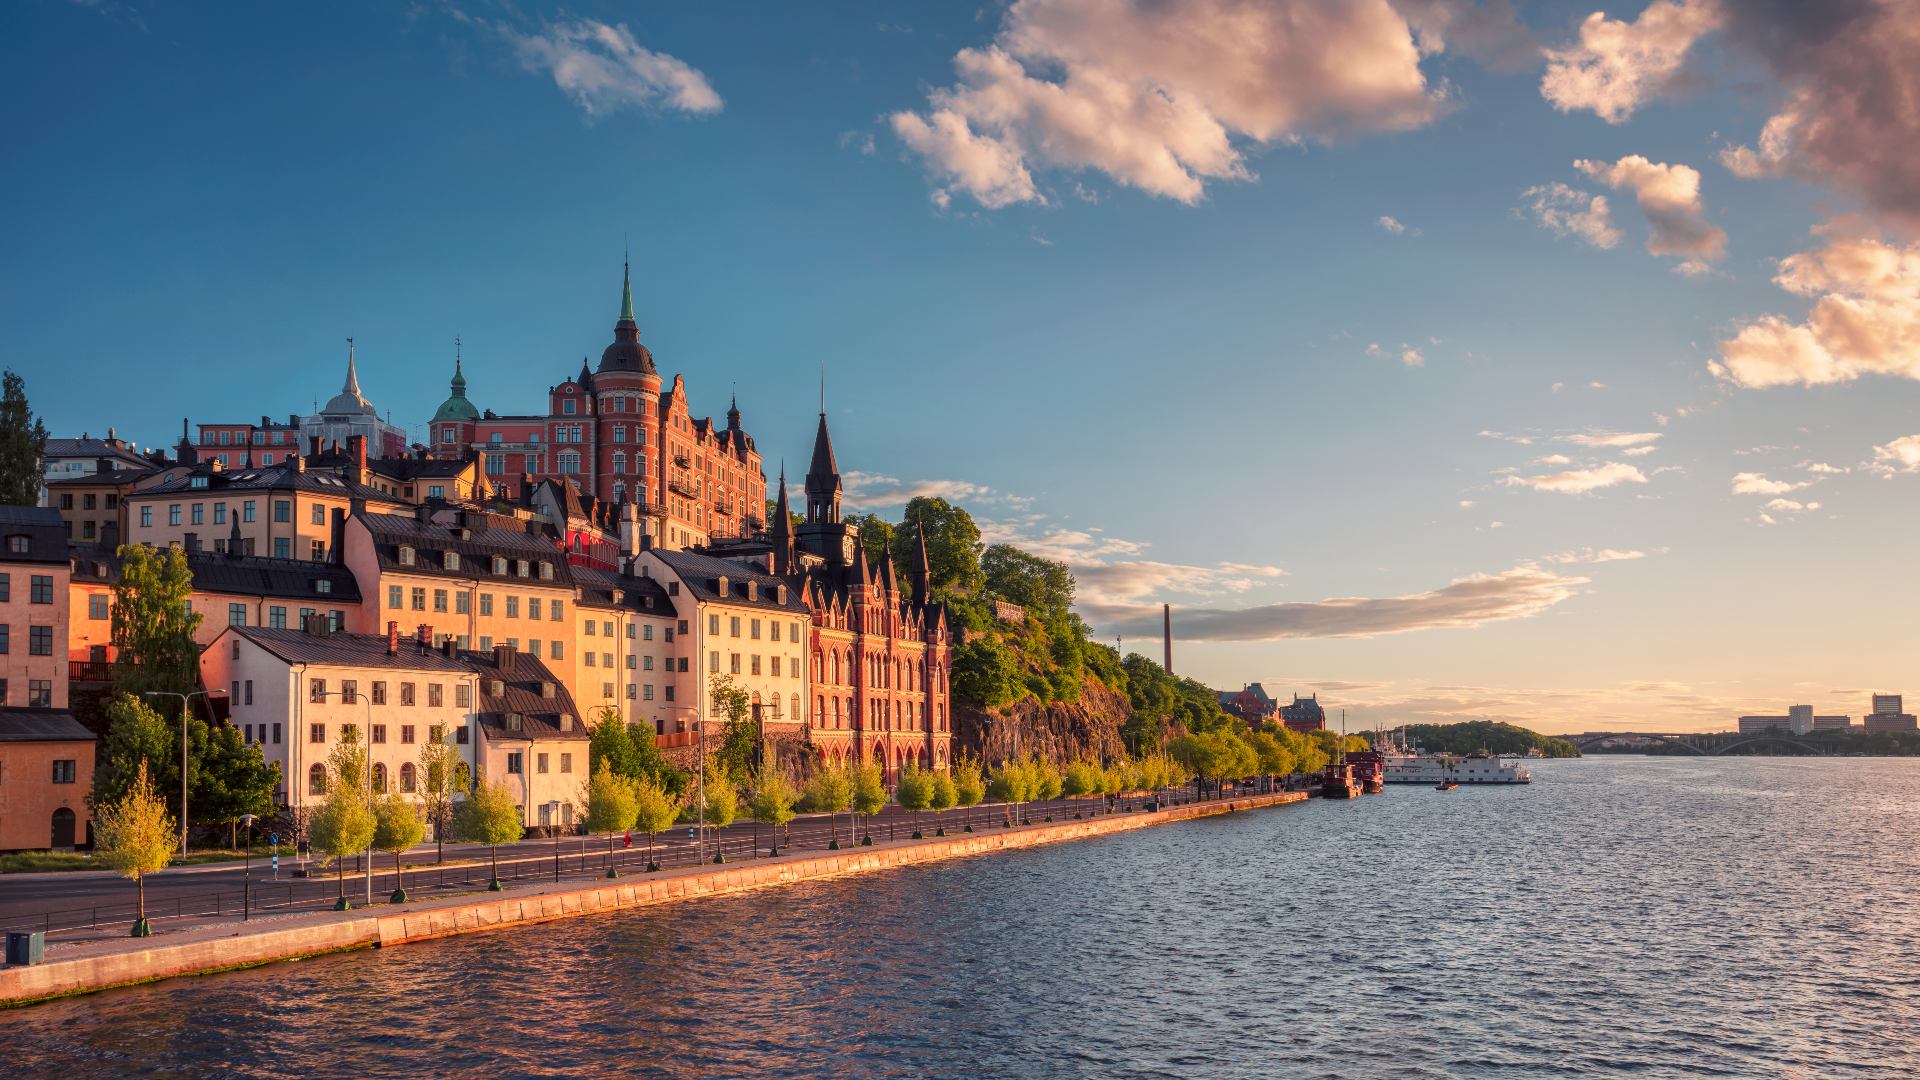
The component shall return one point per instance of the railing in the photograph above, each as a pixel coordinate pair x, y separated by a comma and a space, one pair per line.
91, 671
683, 487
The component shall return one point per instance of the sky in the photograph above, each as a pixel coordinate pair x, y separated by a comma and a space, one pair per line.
1448, 359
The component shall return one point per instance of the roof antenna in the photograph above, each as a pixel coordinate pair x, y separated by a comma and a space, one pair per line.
823, 388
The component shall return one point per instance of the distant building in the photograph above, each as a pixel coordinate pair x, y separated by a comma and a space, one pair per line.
34, 608
1799, 720
1305, 714
1889, 715
1251, 703
346, 415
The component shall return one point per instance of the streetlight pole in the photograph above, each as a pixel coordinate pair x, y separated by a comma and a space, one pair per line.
246, 872
184, 698
368, 736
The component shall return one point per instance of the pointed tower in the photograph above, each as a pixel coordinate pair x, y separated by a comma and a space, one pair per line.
824, 534
626, 353
922, 571
781, 530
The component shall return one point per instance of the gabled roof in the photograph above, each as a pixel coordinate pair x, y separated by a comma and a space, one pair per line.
21, 724
103, 477
45, 530
701, 575
94, 448
218, 572
343, 649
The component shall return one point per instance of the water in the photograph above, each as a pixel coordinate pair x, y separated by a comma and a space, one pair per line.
1644, 916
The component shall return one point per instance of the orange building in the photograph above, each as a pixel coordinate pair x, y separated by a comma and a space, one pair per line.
282, 511
35, 586
46, 771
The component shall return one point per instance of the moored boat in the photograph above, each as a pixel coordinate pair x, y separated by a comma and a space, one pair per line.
1338, 782
1369, 769
1418, 768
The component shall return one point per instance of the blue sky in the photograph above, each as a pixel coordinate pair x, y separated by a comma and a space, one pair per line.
1200, 397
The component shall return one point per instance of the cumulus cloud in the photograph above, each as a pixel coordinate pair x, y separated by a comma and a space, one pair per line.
1391, 224
1553, 459
1611, 438
604, 69
1789, 506
1670, 197
1752, 483
1850, 117
1466, 602
1571, 212
1163, 96
1616, 66
1865, 319
1639, 451
1580, 481
1900, 455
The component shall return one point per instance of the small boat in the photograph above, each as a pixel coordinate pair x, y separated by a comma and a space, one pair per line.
1338, 782
1447, 786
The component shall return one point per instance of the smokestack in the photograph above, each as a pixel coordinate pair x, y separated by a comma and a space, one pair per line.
1166, 635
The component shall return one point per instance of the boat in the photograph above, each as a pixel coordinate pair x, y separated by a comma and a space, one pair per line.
1370, 769
1446, 785
1414, 767
1338, 782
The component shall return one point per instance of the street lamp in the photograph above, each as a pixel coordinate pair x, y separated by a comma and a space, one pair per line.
184, 698
246, 871
350, 695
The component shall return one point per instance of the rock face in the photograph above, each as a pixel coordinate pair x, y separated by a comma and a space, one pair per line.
1088, 728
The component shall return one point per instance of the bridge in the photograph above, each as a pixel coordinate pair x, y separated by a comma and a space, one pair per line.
1704, 744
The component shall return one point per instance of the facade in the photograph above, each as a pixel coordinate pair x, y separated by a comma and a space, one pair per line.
1799, 720
629, 654
296, 692
743, 622
346, 415
1252, 704
280, 511
617, 433
46, 771
1889, 714
35, 605
93, 504
64, 459
1304, 714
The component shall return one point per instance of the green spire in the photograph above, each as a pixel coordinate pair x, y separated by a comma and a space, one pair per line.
626, 292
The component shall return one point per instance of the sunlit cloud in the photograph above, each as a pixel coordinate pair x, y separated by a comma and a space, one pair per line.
1568, 211
1669, 195
604, 69
1753, 483
1580, 481
1865, 319
1616, 66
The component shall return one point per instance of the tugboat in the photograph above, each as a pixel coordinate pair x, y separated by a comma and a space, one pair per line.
1338, 782
1370, 769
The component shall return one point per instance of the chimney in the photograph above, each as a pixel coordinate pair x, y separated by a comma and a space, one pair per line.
338, 540
299, 464
393, 638
357, 450
450, 647
423, 636
1166, 634
503, 659
313, 445
317, 625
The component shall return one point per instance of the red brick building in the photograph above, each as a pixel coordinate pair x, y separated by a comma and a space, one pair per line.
621, 437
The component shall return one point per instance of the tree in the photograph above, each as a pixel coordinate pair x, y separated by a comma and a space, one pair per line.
739, 742
1042, 586
1012, 783
137, 738
153, 623
720, 805
650, 763
1083, 778
829, 790
953, 546
986, 672
1215, 755
612, 746
135, 836
229, 777
654, 812
443, 774
396, 827
611, 808
772, 803
968, 787
869, 794
1275, 758
914, 792
1046, 779
945, 795
23, 444
345, 823
876, 536
490, 816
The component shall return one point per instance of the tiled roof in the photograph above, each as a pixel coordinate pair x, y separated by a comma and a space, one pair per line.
353, 650
644, 596
476, 544
216, 572
44, 529
41, 725
92, 448
701, 574
105, 476
265, 478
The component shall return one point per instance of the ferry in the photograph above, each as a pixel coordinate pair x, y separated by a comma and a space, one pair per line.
1418, 768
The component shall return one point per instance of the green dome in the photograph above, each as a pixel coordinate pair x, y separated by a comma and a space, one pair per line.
457, 407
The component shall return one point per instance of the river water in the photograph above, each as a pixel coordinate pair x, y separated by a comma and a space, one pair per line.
1621, 916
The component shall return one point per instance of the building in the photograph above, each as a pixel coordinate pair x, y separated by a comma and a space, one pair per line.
1251, 703
1889, 714
93, 504
35, 581
295, 693
46, 773
741, 621
67, 458
279, 511
616, 433
345, 416
1799, 720
1304, 714
629, 654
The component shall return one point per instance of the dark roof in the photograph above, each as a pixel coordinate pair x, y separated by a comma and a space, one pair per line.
41, 725
823, 476
93, 448
104, 476
521, 695
45, 530
475, 542
354, 650
701, 575
217, 572
598, 586
285, 477
412, 468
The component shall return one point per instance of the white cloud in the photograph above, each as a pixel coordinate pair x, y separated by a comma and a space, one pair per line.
1617, 66
1824, 468
1865, 319
1612, 438
1571, 212
1596, 385
1166, 96
1596, 555
1900, 455
871, 491
1580, 481
1411, 357
1639, 451
1789, 506
1669, 195
1389, 223
1467, 504
603, 69
1553, 459
1751, 483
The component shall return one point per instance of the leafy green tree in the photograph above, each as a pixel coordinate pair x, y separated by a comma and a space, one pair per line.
23, 445
953, 546
829, 790
1011, 783
612, 808
152, 623
229, 778
914, 792
1042, 586
1046, 779
397, 826
1215, 755
134, 835
651, 764
869, 794
986, 672
968, 787
344, 824
772, 803
1083, 778
739, 742
945, 794
612, 746
443, 774
876, 536
1271, 753
655, 810
488, 815
137, 737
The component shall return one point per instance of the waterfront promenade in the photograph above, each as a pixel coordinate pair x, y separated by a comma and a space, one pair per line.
223, 944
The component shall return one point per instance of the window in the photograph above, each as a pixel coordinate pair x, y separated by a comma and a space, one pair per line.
419, 598
533, 646
406, 555
733, 626
433, 695
173, 514
146, 517
646, 632
513, 607
713, 662
566, 763
236, 614
462, 695
40, 640
276, 731
515, 762
589, 659
406, 734
755, 627
557, 610
282, 510
317, 778
645, 661
42, 589
756, 663
317, 690
793, 633
199, 514
486, 603
439, 599
713, 625
460, 735
558, 651
533, 607
733, 663
648, 692
318, 551
319, 514
40, 693
776, 667
249, 510
396, 596
408, 778
220, 513
379, 778
317, 733
277, 617
64, 771
588, 630
540, 763
282, 547
546, 571
460, 603
406, 693
569, 461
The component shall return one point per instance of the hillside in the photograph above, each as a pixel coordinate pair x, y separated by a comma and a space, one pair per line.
1487, 735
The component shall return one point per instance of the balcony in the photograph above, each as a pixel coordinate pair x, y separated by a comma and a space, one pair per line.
684, 486
89, 671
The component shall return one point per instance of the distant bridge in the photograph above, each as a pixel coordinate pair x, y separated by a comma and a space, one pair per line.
1705, 745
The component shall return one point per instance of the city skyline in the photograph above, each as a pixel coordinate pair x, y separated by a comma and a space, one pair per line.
1540, 370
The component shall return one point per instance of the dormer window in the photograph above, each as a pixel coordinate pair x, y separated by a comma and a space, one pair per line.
322, 585
17, 544
406, 555
546, 571
519, 568
450, 561
197, 481
499, 566
513, 721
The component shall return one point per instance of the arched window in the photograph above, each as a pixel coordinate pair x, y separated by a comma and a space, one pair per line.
317, 780
379, 778
407, 778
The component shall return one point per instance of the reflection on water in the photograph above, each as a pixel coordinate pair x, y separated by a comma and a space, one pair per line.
1656, 916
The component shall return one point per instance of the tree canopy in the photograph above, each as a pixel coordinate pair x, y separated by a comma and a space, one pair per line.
23, 443
153, 622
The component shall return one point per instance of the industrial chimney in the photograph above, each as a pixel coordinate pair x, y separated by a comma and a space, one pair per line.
1166, 635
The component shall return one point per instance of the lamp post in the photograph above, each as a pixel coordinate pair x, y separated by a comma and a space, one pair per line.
184, 698
368, 736
246, 871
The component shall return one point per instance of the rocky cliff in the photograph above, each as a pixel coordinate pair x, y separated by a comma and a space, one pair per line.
1089, 727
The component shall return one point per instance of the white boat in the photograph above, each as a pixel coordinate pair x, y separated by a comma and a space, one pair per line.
1418, 768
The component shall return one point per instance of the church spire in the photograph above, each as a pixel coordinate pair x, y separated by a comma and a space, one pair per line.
823, 478
781, 528
353, 377
922, 574
626, 291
